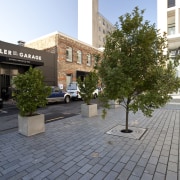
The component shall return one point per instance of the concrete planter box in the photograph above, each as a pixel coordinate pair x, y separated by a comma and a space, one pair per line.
31, 125
88, 110
114, 104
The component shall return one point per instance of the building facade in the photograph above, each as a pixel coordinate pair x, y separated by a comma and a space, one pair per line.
74, 58
168, 20
92, 25
16, 59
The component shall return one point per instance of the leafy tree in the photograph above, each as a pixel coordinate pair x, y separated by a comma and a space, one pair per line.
134, 68
30, 91
88, 86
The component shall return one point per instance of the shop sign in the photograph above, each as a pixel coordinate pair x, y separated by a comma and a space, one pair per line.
17, 54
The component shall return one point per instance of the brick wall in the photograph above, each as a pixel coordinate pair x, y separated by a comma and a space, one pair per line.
64, 67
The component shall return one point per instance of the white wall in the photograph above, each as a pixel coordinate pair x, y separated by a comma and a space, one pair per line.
162, 15
85, 21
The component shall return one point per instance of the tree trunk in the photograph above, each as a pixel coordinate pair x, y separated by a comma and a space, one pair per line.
127, 114
127, 118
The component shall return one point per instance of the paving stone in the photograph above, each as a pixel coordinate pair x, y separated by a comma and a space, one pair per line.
68, 165
85, 168
172, 167
130, 165
173, 158
118, 167
138, 171
111, 175
135, 157
133, 178
87, 176
55, 174
125, 159
83, 162
124, 175
163, 159
161, 168
99, 175
72, 170
8, 175
42, 175
46, 166
171, 175
146, 176
32, 175
108, 167
150, 169
95, 168
104, 160
18, 176
158, 176
153, 160
142, 162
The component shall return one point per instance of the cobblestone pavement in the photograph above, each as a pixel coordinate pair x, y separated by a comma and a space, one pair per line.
79, 148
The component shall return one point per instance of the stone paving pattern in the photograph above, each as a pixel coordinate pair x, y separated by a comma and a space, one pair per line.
79, 148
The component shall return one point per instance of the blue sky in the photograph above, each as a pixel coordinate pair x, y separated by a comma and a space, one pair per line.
29, 19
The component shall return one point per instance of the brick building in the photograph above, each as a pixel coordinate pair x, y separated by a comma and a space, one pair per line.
74, 58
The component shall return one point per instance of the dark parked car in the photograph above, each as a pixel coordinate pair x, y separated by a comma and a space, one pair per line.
58, 95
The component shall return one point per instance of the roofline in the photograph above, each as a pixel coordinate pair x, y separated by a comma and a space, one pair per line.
62, 34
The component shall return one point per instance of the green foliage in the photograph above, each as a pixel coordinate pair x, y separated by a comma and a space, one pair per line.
88, 86
31, 92
134, 68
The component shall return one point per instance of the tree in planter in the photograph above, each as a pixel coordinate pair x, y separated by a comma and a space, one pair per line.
31, 91
134, 68
88, 86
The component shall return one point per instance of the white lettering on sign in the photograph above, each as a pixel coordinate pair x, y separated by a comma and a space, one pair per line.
20, 54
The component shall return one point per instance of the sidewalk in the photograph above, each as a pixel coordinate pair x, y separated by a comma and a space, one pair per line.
80, 148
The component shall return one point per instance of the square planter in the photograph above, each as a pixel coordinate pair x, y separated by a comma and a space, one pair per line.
88, 110
114, 104
31, 125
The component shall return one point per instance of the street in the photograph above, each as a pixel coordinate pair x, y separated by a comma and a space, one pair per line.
53, 112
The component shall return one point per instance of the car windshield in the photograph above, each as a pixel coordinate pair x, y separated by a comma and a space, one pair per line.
72, 86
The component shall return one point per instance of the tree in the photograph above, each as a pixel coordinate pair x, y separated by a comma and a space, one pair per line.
88, 86
134, 68
30, 91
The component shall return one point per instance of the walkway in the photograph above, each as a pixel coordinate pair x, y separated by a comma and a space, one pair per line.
79, 148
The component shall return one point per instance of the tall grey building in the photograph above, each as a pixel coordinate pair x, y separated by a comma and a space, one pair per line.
92, 26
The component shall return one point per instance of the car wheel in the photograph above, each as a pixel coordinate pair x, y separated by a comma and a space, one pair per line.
95, 96
67, 99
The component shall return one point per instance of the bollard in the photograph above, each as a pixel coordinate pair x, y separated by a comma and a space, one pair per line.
1, 103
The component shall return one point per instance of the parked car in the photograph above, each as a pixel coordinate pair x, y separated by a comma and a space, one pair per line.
74, 91
58, 95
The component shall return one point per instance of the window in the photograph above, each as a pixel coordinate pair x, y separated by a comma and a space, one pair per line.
103, 22
89, 60
171, 3
69, 54
171, 29
79, 57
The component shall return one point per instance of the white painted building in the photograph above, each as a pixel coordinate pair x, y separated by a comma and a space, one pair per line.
92, 26
168, 20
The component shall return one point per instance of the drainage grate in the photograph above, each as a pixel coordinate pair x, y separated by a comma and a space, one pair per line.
136, 133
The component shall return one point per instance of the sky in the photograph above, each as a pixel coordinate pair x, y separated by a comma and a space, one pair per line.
27, 20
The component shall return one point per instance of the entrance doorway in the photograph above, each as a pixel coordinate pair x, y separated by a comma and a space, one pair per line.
7, 73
